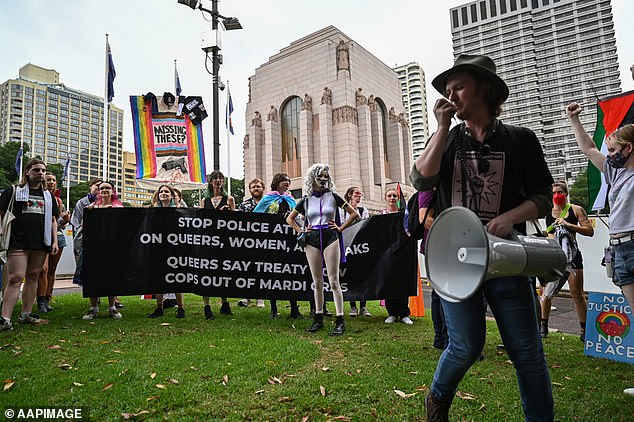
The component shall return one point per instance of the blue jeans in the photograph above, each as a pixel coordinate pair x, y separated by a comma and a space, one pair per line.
623, 263
512, 301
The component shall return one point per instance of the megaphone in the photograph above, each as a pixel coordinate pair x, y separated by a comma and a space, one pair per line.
460, 255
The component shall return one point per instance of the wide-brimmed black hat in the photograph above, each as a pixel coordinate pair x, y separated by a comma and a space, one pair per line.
474, 63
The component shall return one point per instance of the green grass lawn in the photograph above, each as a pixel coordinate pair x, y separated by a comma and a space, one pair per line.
248, 367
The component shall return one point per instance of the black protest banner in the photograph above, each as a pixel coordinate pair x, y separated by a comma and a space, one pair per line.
129, 251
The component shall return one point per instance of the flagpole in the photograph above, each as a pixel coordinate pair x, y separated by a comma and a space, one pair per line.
68, 178
227, 117
175, 82
106, 105
21, 159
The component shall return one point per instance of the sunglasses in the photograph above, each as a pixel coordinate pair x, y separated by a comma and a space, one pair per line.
483, 164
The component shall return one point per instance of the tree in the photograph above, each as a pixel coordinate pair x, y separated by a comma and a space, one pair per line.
579, 191
8, 153
77, 192
237, 190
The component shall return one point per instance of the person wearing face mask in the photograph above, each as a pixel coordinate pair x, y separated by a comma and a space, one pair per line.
618, 169
76, 221
324, 242
567, 219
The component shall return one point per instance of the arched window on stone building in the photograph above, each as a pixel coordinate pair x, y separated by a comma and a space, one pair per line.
382, 117
291, 163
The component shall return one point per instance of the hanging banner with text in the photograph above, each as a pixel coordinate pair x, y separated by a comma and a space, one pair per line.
608, 327
131, 251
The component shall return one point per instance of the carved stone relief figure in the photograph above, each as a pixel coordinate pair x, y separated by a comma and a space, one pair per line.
245, 141
392, 115
326, 98
257, 120
272, 116
360, 97
343, 60
308, 103
345, 114
371, 103
401, 119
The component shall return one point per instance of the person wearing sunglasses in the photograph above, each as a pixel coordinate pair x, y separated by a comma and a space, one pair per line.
498, 171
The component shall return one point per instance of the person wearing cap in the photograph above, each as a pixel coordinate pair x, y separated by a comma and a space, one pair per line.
498, 171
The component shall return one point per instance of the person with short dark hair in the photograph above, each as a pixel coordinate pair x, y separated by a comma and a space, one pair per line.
33, 236
498, 171
76, 222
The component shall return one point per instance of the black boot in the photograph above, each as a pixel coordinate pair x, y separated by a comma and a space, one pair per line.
225, 309
295, 314
544, 328
208, 313
41, 307
437, 411
340, 327
273, 314
47, 304
318, 323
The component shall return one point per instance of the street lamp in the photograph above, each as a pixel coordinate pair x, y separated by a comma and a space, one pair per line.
562, 156
212, 42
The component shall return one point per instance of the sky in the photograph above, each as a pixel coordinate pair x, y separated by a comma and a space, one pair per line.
146, 36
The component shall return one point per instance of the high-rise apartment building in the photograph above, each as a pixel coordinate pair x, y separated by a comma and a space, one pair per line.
131, 192
550, 53
55, 120
412, 79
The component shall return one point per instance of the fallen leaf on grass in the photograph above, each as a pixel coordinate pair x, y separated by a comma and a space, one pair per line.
104, 342
151, 398
259, 392
557, 383
322, 390
274, 380
153, 375
225, 380
555, 366
414, 372
285, 399
127, 416
165, 324
465, 396
112, 361
117, 351
78, 384
404, 395
305, 418
568, 378
8, 385
64, 366
54, 347
173, 381
161, 386
482, 407
341, 418
422, 388
325, 368
107, 386
358, 371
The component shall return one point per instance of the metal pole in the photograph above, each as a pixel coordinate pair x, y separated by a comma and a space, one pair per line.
106, 104
228, 140
215, 107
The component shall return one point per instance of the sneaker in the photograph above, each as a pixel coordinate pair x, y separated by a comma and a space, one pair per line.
5, 324
114, 313
47, 304
406, 320
31, 319
390, 320
628, 391
208, 314
435, 409
118, 304
260, 303
180, 313
41, 308
158, 312
365, 312
91, 314
243, 303
353, 312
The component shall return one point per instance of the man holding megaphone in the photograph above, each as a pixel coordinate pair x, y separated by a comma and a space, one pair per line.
498, 172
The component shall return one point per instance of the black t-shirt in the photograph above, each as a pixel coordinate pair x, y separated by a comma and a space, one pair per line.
27, 230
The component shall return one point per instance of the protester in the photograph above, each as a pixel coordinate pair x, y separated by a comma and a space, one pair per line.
256, 189
164, 197
397, 308
353, 197
107, 198
33, 235
46, 280
499, 172
618, 170
324, 242
279, 201
566, 220
217, 200
178, 198
76, 221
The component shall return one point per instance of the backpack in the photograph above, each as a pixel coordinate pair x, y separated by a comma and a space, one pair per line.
411, 220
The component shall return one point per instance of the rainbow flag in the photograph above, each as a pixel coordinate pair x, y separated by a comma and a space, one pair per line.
169, 148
